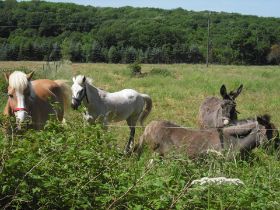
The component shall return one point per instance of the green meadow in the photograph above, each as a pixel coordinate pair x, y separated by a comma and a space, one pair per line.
79, 166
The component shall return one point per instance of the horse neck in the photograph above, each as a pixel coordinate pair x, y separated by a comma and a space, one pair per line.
32, 92
93, 94
213, 116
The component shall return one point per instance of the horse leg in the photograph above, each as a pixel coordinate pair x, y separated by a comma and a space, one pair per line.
130, 142
106, 120
131, 123
88, 118
138, 149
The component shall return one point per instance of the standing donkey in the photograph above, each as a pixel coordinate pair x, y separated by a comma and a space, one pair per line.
215, 112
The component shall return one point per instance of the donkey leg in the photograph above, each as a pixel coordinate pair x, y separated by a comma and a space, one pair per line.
239, 129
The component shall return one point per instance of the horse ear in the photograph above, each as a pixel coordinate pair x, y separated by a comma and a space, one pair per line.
223, 91
74, 79
237, 92
84, 79
7, 75
29, 76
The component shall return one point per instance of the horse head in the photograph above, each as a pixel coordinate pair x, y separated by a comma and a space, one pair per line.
19, 92
78, 91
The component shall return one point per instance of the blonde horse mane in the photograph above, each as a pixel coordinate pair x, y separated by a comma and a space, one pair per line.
18, 80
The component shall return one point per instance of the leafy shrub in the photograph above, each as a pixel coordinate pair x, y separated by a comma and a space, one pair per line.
56, 168
135, 68
79, 166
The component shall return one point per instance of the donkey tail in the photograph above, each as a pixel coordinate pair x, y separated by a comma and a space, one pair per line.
271, 131
148, 108
66, 92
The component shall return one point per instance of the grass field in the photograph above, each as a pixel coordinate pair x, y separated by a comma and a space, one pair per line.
176, 97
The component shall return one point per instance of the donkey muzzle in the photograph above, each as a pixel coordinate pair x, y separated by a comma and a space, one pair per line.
225, 121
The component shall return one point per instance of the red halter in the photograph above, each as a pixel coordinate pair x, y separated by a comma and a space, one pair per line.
20, 109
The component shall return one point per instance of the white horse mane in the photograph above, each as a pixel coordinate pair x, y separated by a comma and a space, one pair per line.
79, 79
18, 80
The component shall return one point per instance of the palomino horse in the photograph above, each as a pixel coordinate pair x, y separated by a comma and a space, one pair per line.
35, 99
215, 112
126, 105
162, 136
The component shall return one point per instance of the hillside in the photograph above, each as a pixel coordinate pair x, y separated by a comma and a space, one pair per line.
40, 30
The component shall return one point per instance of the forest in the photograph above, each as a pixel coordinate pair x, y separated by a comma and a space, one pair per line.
38, 30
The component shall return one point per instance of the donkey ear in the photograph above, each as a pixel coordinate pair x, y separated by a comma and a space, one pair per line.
7, 75
223, 91
30, 75
237, 92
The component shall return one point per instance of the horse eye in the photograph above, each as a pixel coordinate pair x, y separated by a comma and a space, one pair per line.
10, 95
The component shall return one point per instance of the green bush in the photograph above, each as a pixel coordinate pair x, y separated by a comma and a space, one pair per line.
77, 166
56, 168
135, 68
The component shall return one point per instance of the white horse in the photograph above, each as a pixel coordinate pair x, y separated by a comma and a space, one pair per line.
126, 105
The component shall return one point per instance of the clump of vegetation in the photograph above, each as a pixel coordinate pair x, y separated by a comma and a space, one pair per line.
161, 72
56, 167
59, 168
135, 69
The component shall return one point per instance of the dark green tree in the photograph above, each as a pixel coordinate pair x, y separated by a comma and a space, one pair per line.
113, 55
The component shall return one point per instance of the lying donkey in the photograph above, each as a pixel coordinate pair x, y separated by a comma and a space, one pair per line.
162, 136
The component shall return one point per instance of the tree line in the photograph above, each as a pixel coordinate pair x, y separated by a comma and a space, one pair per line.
39, 30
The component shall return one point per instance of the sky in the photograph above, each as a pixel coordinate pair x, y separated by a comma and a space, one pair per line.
265, 8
